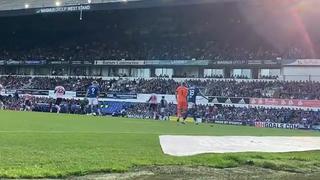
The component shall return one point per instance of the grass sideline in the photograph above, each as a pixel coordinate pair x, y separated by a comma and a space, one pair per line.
39, 145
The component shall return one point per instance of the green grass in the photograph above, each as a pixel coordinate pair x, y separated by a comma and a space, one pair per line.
49, 145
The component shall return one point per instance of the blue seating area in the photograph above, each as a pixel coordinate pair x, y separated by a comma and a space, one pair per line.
113, 108
65, 108
107, 108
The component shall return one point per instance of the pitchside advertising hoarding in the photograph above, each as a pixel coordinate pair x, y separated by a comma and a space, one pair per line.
142, 98
68, 94
31, 92
115, 95
260, 124
316, 127
263, 124
231, 122
285, 102
109, 95
226, 100
276, 125
35, 62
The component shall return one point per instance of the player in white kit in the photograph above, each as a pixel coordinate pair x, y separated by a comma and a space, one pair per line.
27, 102
153, 105
59, 92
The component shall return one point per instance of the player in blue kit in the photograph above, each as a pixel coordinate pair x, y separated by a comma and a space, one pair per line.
193, 92
93, 93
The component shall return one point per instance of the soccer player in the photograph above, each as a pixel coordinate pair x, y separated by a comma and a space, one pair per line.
1, 97
193, 92
182, 103
153, 101
163, 109
93, 93
59, 92
27, 102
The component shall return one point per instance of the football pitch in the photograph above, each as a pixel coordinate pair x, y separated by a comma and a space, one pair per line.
43, 145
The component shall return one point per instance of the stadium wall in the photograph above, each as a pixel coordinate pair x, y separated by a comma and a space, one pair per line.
290, 70
301, 73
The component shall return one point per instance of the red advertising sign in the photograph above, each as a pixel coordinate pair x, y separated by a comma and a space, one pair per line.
285, 102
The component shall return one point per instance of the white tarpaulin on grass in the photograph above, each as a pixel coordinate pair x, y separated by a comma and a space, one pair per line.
192, 145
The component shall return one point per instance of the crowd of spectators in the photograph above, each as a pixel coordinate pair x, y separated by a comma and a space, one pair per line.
156, 34
149, 51
45, 104
308, 90
262, 114
241, 114
12, 82
140, 110
207, 113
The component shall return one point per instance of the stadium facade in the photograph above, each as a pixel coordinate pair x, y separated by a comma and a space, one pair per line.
57, 40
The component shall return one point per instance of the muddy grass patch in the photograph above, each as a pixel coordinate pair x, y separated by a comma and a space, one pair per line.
193, 173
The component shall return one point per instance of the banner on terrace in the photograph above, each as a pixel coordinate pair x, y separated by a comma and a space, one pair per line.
302, 62
13, 62
246, 62
34, 92
64, 9
226, 100
115, 95
178, 62
110, 95
68, 94
285, 102
119, 62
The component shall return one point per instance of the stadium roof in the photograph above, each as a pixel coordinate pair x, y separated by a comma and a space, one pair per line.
19, 4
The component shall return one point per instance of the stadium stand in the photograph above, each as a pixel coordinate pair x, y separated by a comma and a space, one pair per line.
151, 34
192, 66
162, 34
307, 90
209, 113
114, 108
241, 114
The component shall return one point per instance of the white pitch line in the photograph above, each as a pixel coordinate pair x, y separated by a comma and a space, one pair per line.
74, 132
87, 132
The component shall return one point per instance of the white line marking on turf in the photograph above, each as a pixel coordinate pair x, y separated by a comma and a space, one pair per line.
71, 132
88, 132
